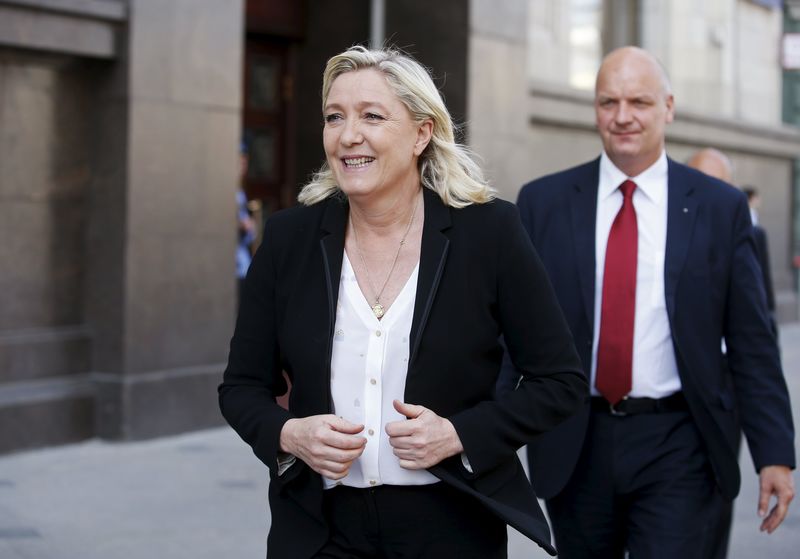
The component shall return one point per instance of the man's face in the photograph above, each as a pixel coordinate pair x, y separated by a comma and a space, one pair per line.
632, 109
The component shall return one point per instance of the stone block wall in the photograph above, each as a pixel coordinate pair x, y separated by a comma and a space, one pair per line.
119, 130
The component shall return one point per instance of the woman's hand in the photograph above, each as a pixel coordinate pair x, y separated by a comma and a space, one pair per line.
327, 443
424, 439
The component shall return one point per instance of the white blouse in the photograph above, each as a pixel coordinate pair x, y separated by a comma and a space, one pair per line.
369, 365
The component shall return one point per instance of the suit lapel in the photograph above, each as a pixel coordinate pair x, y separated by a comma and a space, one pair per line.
433, 255
681, 212
584, 216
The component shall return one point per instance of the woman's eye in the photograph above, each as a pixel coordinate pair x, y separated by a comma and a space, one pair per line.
373, 116
333, 117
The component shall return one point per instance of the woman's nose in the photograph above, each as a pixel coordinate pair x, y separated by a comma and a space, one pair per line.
351, 134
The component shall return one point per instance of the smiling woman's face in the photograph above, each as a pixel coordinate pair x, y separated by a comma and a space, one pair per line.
371, 142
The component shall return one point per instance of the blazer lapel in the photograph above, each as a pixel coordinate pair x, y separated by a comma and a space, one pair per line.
334, 224
584, 216
681, 212
433, 255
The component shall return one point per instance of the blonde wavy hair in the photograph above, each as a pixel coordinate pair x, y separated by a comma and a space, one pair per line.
446, 167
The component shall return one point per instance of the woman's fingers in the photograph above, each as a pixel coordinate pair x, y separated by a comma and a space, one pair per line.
327, 443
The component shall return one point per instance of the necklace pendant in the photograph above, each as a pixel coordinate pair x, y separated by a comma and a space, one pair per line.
378, 310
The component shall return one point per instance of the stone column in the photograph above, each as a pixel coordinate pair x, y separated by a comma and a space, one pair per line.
160, 285
497, 99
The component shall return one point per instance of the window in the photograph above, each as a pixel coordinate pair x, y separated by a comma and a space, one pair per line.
568, 38
565, 41
585, 42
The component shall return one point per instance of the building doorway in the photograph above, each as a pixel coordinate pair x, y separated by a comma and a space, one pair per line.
266, 127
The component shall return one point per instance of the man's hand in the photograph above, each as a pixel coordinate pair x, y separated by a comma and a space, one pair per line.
774, 480
328, 444
424, 439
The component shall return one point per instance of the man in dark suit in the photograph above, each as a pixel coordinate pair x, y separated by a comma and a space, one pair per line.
654, 264
714, 163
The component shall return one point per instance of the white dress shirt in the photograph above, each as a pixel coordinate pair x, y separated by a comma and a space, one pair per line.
369, 365
655, 371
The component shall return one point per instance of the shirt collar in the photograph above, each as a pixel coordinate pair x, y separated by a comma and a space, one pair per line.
652, 181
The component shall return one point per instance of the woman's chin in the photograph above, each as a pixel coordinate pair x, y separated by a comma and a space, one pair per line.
356, 189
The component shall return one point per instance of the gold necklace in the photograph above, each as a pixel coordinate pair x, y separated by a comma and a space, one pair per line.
378, 309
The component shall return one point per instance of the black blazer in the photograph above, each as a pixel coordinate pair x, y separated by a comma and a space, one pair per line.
479, 278
713, 289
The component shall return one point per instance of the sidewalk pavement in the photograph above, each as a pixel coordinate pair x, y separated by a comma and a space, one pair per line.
204, 495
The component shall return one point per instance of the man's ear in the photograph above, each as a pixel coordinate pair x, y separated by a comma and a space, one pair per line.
670, 108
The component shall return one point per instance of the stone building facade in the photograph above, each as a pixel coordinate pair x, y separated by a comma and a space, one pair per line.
120, 122
116, 121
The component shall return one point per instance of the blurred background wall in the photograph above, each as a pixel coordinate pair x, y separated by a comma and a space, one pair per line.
120, 126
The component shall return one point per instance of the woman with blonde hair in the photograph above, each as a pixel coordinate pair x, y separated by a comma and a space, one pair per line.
383, 298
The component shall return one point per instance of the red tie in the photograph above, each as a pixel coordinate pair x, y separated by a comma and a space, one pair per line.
615, 348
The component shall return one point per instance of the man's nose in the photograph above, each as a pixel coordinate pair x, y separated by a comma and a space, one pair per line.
624, 114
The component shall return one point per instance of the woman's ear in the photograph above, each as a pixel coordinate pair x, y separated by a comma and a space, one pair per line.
424, 134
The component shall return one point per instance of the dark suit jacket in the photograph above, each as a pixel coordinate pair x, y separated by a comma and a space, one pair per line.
479, 278
713, 289
762, 254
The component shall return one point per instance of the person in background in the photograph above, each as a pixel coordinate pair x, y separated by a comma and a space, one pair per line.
712, 162
762, 249
245, 225
754, 201
716, 164
382, 296
653, 264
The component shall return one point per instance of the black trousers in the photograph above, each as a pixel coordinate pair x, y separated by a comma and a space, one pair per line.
424, 522
643, 484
